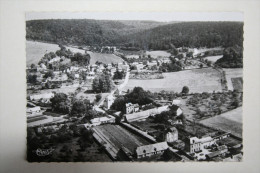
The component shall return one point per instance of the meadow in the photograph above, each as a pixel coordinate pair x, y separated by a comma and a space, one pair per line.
36, 50
230, 121
213, 58
198, 81
104, 57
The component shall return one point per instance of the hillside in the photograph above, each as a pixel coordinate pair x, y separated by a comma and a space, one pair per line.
190, 34
141, 34
84, 31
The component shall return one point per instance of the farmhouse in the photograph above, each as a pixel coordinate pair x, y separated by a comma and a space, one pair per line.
149, 150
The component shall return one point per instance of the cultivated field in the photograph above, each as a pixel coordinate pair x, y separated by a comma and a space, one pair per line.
104, 57
230, 121
213, 58
118, 137
36, 50
159, 53
232, 73
198, 81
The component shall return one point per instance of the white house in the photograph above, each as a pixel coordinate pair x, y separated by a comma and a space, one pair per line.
130, 108
149, 150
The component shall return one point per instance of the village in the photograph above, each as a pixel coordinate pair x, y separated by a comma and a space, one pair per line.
88, 112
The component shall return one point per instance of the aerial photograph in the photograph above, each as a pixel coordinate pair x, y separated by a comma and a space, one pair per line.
131, 89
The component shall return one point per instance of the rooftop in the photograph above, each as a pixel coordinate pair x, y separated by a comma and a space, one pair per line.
152, 148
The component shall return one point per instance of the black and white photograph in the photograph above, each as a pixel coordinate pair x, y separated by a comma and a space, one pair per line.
134, 87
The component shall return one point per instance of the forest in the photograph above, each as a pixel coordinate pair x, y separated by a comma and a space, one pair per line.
136, 34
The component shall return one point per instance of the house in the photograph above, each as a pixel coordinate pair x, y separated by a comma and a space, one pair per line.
37, 97
109, 101
73, 68
91, 75
195, 144
130, 108
175, 121
56, 59
150, 150
150, 64
102, 120
172, 135
33, 110
176, 102
145, 114
109, 66
217, 153
76, 76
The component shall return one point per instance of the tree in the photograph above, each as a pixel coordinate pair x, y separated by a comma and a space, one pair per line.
98, 97
32, 78
102, 83
209, 63
118, 75
80, 108
185, 90
119, 104
49, 74
33, 66
60, 103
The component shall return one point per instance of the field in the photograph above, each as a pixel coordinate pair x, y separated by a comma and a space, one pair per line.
118, 137
156, 54
232, 73
36, 50
213, 58
230, 121
103, 57
198, 81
